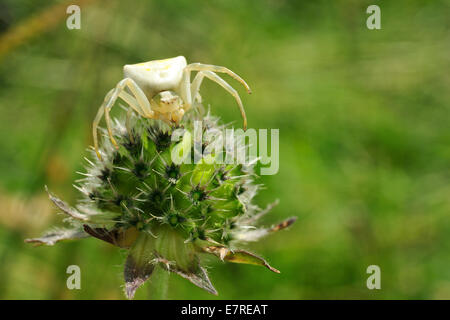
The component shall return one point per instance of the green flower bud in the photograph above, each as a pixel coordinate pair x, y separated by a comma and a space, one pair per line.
166, 213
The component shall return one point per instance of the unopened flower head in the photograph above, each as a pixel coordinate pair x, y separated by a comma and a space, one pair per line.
166, 213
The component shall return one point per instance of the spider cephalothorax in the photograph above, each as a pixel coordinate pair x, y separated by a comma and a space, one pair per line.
162, 89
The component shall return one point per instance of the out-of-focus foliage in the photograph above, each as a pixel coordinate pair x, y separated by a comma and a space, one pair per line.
364, 138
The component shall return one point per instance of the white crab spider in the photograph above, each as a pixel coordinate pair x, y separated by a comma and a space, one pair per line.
161, 89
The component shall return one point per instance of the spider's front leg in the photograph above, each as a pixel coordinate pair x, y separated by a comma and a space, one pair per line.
209, 67
138, 103
205, 70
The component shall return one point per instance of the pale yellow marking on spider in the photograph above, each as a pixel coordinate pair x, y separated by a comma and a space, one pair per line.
162, 89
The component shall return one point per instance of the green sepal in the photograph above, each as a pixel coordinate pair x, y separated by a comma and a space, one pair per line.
100, 218
117, 237
239, 256
57, 235
139, 264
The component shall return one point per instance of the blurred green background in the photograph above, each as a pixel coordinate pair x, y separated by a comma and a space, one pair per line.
364, 138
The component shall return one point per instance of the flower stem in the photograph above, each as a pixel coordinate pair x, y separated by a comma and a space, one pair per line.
159, 284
